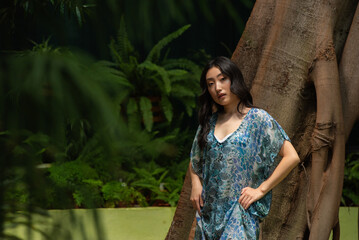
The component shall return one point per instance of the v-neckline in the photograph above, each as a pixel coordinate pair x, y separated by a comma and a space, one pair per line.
228, 135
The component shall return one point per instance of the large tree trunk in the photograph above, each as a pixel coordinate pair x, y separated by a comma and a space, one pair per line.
301, 64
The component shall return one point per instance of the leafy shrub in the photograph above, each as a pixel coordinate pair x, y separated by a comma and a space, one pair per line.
154, 182
155, 79
64, 104
350, 196
80, 179
118, 194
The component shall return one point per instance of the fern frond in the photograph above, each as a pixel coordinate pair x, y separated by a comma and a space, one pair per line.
125, 47
181, 91
132, 106
133, 117
134, 122
190, 104
112, 74
167, 108
161, 72
156, 50
145, 106
114, 52
176, 72
181, 63
121, 48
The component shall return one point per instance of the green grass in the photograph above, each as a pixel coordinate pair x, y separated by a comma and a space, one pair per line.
150, 223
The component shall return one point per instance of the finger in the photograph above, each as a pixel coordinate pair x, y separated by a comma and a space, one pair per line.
243, 200
194, 203
245, 204
249, 203
244, 189
197, 206
242, 197
201, 201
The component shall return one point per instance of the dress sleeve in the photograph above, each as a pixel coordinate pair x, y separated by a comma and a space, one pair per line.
195, 155
271, 139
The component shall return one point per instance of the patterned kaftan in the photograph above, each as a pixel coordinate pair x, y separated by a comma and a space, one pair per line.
242, 159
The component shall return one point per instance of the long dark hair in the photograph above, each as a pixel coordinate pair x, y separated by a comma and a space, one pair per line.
238, 87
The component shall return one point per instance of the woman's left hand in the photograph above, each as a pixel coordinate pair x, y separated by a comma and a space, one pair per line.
249, 196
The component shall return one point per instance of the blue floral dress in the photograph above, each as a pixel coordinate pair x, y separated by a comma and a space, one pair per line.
244, 158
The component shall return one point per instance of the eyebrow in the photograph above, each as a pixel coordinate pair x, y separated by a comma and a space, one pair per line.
208, 79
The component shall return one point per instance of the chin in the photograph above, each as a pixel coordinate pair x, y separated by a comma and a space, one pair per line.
222, 103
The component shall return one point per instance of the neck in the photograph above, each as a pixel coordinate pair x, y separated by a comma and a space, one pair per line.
232, 108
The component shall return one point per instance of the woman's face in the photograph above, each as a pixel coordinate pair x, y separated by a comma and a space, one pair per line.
219, 87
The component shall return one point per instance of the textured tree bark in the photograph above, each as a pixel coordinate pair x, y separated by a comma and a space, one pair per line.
184, 215
289, 54
328, 147
349, 76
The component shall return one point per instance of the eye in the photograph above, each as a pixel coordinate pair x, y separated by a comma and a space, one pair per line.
210, 84
223, 78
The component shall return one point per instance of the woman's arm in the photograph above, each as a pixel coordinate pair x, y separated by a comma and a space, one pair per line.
289, 161
196, 196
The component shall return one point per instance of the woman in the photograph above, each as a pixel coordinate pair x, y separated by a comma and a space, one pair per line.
232, 157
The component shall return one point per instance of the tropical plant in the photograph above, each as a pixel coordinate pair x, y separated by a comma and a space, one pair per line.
351, 180
119, 194
22, 150
153, 181
80, 179
45, 94
168, 80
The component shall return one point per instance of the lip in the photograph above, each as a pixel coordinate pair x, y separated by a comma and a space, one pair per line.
221, 95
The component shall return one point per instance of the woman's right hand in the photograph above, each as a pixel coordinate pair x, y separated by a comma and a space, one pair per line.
196, 196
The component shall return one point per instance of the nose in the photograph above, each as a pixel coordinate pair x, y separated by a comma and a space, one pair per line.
218, 86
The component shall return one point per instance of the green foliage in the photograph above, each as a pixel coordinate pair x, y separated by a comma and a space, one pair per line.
55, 106
78, 8
70, 86
79, 179
145, 106
350, 194
154, 54
119, 194
20, 146
72, 173
62, 115
154, 180
167, 108
78, 132
173, 80
64, 101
